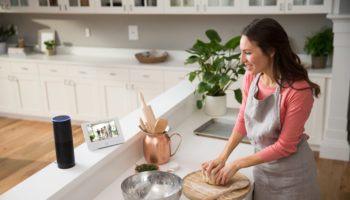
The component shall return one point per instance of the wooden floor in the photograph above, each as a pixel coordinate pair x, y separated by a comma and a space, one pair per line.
28, 146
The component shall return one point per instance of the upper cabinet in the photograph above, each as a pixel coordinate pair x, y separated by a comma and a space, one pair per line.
65, 6
286, 6
129, 6
16, 5
202, 6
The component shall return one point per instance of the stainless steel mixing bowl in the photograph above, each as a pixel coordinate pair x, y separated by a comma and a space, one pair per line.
155, 185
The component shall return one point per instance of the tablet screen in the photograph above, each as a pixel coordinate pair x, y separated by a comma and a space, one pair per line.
102, 131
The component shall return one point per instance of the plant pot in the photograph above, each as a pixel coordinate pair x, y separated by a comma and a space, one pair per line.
319, 62
2, 48
215, 105
50, 52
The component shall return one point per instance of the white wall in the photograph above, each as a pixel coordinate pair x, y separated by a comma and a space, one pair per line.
175, 32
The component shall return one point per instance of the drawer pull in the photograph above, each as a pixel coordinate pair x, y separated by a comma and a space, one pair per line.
82, 72
112, 74
24, 68
181, 78
53, 70
145, 76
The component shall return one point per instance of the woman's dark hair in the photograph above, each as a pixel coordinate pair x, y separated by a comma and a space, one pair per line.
268, 34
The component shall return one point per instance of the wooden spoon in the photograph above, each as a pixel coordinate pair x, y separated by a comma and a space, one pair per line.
142, 124
160, 126
235, 186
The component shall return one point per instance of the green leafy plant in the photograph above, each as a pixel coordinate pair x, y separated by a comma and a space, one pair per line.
219, 66
6, 32
320, 43
50, 44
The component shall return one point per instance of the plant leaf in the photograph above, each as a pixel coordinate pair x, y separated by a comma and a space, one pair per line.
224, 79
213, 35
233, 43
199, 104
238, 95
192, 76
202, 87
191, 59
208, 76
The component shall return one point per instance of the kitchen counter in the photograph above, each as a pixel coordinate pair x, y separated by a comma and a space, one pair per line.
98, 174
114, 57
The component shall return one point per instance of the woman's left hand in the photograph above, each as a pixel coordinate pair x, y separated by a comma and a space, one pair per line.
226, 173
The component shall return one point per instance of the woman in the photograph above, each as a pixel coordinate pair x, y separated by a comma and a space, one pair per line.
277, 101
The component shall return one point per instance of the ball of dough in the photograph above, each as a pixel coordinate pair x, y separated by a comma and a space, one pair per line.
208, 179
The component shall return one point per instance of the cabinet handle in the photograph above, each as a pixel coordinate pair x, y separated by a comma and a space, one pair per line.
24, 68
60, 7
65, 7
124, 7
132, 86
181, 78
82, 72
65, 82
112, 74
130, 7
205, 8
145, 76
289, 6
197, 7
127, 86
281, 6
53, 70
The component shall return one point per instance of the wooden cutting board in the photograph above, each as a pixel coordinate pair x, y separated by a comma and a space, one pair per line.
196, 189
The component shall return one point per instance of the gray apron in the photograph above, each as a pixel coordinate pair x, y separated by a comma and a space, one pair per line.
291, 177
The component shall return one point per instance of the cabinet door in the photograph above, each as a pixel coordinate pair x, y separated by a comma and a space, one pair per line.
49, 6
87, 99
59, 95
116, 96
30, 95
149, 91
5, 5
221, 6
314, 125
9, 97
78, 6
146, 6
182, 6
263, 6
308, 6
111, 6
21, 5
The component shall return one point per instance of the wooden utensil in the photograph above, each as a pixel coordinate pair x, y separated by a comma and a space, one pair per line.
147, 113
235, 186
143, 126
160, 126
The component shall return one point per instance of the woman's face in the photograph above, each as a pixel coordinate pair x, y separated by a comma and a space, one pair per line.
253, 58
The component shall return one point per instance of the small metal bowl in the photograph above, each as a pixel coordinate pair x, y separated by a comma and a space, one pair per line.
155, 185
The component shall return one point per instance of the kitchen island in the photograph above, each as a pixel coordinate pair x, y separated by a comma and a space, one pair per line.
98, 174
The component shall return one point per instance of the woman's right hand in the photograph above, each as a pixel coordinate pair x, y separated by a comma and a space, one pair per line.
212, 167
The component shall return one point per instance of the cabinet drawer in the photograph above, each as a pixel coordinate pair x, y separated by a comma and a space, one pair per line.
24, 68
54, 70
146, 75
82, 72
113, 74
175, 76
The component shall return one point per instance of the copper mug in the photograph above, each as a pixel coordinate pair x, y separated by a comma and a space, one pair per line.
156, 147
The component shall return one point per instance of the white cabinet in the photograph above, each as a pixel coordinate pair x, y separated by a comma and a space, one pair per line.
27, 88
65, 6
172, 77
8, 100
202, 6
129, 6
286, 6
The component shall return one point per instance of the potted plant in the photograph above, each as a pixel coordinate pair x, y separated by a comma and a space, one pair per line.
5, 33
50, 47
319, 45
219, 67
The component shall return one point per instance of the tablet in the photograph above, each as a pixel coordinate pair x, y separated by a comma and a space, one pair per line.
103, 133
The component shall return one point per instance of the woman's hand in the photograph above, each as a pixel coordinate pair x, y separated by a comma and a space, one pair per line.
226, 173
213, 166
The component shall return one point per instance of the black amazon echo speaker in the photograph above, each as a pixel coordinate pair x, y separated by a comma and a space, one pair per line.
62, 131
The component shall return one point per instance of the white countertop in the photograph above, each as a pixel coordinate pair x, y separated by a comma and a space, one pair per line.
114, 57
193, 151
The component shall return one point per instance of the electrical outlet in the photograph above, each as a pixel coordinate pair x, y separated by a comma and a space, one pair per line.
87, 32
133, 32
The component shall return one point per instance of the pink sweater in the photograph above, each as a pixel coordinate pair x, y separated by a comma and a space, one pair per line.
295, 109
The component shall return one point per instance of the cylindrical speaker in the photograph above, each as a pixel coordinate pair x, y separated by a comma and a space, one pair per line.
62, 130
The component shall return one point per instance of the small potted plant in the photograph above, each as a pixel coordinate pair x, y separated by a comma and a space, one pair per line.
320, 46
5, 33
50, 47
219, 67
